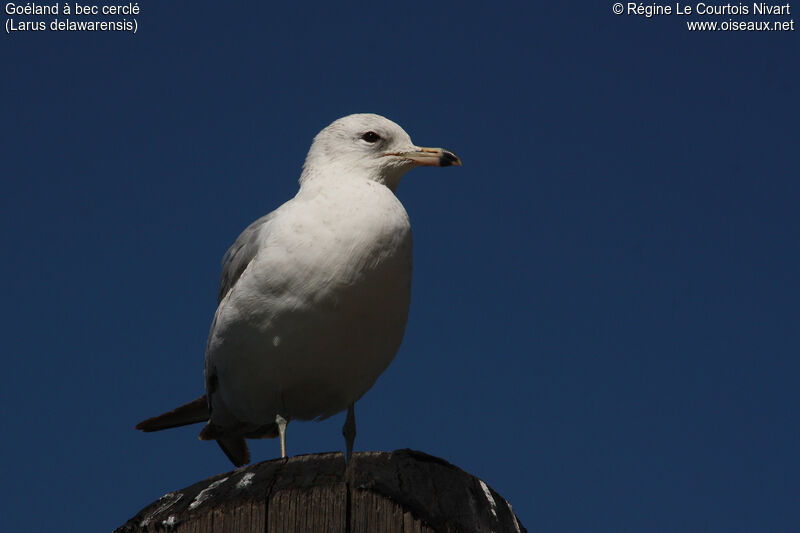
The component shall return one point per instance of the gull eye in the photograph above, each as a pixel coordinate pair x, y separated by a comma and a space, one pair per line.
371, 137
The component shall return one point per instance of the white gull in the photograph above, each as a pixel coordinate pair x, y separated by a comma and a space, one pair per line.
313, 297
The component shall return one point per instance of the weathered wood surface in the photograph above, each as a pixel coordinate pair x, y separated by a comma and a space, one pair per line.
403, 491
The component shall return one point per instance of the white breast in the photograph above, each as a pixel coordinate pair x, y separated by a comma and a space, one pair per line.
321, 310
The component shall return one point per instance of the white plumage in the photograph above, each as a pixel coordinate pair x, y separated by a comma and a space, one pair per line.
314, 296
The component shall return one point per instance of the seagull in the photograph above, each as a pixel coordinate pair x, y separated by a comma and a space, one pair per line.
314, 296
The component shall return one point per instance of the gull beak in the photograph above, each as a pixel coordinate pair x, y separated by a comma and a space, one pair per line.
430, 157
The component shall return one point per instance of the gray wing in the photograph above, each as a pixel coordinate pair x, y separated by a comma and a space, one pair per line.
239, 255
234, 262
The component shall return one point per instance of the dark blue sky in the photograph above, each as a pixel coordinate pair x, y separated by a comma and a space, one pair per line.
606, 309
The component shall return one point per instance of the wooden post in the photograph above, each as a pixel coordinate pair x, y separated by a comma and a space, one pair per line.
403, 491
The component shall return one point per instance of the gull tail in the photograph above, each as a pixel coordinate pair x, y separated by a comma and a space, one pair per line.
191, 413
234, 446
236, 450
197, 411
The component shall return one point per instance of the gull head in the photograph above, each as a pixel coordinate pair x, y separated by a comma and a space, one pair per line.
367, 146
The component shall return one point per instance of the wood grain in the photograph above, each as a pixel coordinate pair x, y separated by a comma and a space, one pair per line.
395, 492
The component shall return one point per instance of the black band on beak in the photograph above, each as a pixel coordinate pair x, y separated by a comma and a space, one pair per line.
448, 158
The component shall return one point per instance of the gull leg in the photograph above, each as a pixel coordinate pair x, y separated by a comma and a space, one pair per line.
349, 431
282, 430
